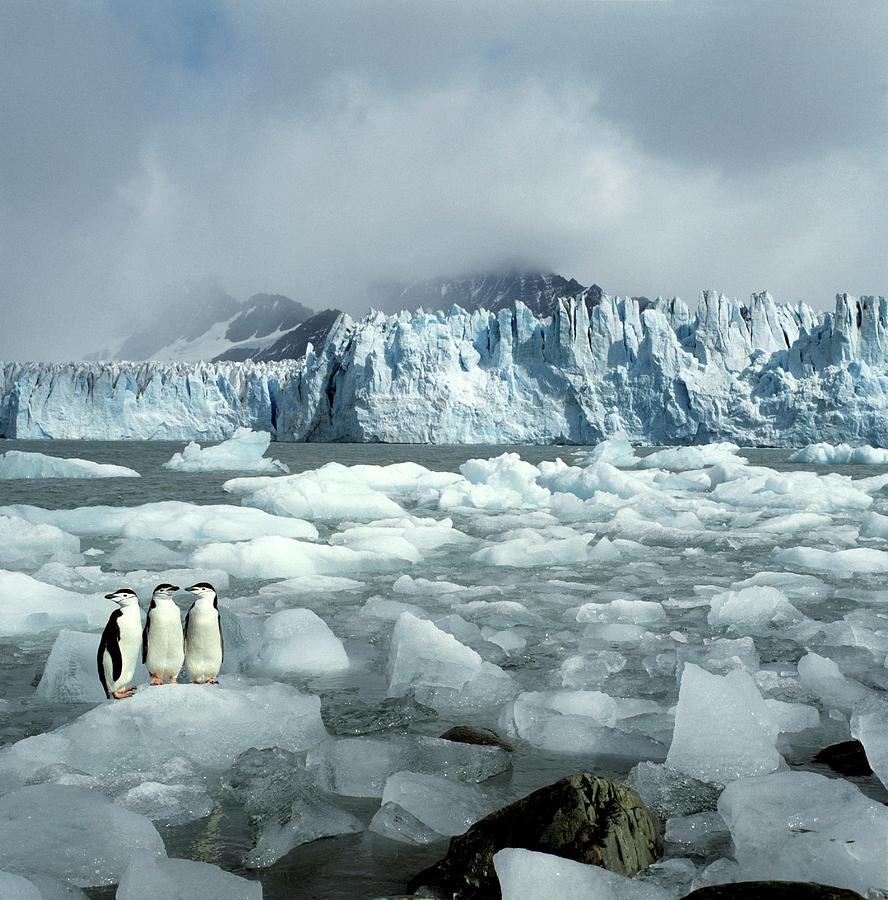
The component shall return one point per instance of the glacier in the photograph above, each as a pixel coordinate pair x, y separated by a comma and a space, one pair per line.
757, 374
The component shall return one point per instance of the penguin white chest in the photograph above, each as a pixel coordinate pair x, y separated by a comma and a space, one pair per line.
203, 642
163, 644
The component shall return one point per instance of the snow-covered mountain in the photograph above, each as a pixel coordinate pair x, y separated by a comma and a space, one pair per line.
757, 373
203, 322
539, 291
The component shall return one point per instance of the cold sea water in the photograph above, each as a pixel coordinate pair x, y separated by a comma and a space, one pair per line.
676, 542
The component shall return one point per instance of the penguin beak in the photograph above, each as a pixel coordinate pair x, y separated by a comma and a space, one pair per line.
174, 587
191, 590
113, 597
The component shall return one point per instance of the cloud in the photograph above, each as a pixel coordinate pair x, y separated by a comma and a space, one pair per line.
314, 150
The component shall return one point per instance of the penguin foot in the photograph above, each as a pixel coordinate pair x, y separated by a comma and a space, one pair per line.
172, 680
157, 679
212, 680
123, 694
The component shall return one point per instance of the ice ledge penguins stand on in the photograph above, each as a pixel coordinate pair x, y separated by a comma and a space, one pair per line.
119, 645
163, 650
204, 648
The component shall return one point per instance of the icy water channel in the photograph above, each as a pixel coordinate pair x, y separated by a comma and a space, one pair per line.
551, 540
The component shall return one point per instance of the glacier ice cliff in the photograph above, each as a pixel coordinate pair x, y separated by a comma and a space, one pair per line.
659, 373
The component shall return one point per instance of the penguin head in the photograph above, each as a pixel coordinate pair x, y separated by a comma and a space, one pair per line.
123, 596
203, 590
165, 590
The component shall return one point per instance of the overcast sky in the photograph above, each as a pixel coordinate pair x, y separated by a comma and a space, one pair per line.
314, 148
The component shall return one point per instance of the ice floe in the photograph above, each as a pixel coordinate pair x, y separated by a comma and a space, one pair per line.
244, 451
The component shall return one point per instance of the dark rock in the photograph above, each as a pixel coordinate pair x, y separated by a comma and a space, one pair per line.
466, 734
772, 890
847, 758
581, 817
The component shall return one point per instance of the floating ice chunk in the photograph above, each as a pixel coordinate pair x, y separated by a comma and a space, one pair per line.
702, 833
149, 878
841, 563
278, 557
617, 451
682, 459
133, 553
498, 612
789, 717
396, 824
136, 735
14, 887
668, 792
823, 678
761, 488
174, 804
388, 610
800, 826
299, 642
801, 588
244, 451
548, 729
874, 525
531, 552
601, 477
869, 724
504, 483
359, 766
444, 673
634, 612
71, 833
725, 654
30, 606
526, 873
595, 704
406, 584
283, 804
388, 542
508, 639
333, 492
723, 729
752, 610
69, 675
840, 454
19, 464
446, 805
27, 546
422, 654
167, 520
794, 522
583, 671
311, 584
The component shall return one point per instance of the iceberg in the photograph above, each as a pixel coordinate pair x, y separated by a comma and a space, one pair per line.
840, 455
19, 464
244, 451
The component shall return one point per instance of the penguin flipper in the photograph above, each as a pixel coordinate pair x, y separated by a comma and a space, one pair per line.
221, 635
185, 629
145, 633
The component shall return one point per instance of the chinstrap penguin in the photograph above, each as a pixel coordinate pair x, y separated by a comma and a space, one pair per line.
163, 647
204, 645
119, 645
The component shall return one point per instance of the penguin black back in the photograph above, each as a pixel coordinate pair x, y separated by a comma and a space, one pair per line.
110, 643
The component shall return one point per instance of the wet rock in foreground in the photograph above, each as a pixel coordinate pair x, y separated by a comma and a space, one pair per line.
581, 817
